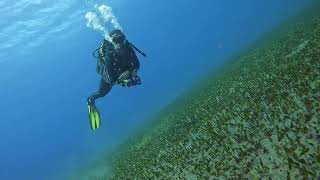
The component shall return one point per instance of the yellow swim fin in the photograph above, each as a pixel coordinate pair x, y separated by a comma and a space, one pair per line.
94, 116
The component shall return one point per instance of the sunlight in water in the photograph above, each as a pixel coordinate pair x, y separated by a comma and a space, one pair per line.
28, 24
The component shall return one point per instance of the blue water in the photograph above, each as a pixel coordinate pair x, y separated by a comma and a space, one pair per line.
47, 71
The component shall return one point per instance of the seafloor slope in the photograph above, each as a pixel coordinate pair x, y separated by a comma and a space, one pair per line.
258, 118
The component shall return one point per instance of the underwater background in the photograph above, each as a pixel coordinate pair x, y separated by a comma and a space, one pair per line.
47, 71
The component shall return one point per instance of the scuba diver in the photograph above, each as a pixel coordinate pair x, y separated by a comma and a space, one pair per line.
117, 64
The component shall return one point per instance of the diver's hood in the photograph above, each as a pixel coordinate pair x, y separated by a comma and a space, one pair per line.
116, 32
117, 36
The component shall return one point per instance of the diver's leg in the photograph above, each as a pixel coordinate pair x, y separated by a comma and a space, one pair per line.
104, 89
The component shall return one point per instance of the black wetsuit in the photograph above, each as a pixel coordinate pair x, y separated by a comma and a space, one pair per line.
115, 61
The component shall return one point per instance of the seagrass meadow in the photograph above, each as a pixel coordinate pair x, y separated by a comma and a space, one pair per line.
258, 117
